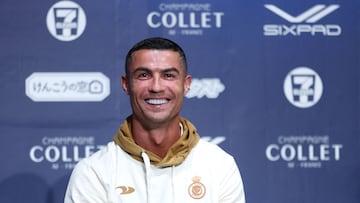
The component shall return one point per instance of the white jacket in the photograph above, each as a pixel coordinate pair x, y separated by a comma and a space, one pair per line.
208, 174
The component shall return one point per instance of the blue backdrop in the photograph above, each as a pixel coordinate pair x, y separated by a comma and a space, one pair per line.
276, 84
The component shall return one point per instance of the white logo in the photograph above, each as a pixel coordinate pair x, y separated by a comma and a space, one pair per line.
304, 151
311, 15
63, 152
67, 86
303, 87
66, 20
206, 87
185, 18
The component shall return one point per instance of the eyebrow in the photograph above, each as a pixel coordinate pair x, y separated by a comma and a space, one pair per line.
149, 71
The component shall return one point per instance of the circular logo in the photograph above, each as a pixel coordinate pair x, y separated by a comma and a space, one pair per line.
303, 87
197, 190
66, 20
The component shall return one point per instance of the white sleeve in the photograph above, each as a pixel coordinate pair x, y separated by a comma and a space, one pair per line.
85, 185
231, 188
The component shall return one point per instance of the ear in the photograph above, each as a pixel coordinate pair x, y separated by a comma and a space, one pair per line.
187, 84
124, 84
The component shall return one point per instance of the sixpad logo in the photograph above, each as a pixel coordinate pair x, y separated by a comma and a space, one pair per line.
185, 18
66, 20
304, 23
303, 87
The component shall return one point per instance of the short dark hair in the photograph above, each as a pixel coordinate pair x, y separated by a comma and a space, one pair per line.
157, 43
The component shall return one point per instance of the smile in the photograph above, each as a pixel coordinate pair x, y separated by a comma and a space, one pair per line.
156, 101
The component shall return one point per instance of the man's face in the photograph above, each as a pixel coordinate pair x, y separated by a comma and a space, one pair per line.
156, 85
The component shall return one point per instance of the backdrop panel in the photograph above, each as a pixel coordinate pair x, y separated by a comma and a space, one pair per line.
275, 83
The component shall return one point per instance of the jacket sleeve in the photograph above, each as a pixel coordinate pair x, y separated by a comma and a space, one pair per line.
85, 185
231, 187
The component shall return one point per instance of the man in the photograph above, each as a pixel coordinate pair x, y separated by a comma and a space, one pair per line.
156, 156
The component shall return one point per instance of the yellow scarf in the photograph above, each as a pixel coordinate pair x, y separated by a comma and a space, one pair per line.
176, 154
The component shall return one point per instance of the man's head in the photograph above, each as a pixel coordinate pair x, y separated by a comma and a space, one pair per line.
156, 80
156, 43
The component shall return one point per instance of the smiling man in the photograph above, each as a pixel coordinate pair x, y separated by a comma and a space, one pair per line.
157, 155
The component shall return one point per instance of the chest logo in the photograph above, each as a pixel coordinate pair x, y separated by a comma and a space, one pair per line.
196, 189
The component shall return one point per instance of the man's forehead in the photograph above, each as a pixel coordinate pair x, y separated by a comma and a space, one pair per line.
155, 53
151, 58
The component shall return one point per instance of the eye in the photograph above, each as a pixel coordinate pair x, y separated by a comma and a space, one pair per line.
143, 75
169, 75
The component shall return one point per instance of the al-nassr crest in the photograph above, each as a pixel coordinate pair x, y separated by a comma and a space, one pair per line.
196, 189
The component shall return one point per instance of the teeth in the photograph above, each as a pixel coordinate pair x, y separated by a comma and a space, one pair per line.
156, 101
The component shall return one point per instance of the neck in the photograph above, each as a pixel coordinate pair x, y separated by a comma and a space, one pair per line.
157, 140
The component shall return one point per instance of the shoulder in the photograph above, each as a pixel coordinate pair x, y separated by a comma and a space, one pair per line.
222, 169
101, 159
91, 176
106, 151
211, 152
95, 167
213, 149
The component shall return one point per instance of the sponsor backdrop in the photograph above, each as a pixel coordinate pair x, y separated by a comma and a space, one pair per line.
276, 84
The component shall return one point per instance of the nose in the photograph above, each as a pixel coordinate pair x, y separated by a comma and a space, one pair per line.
156, 84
